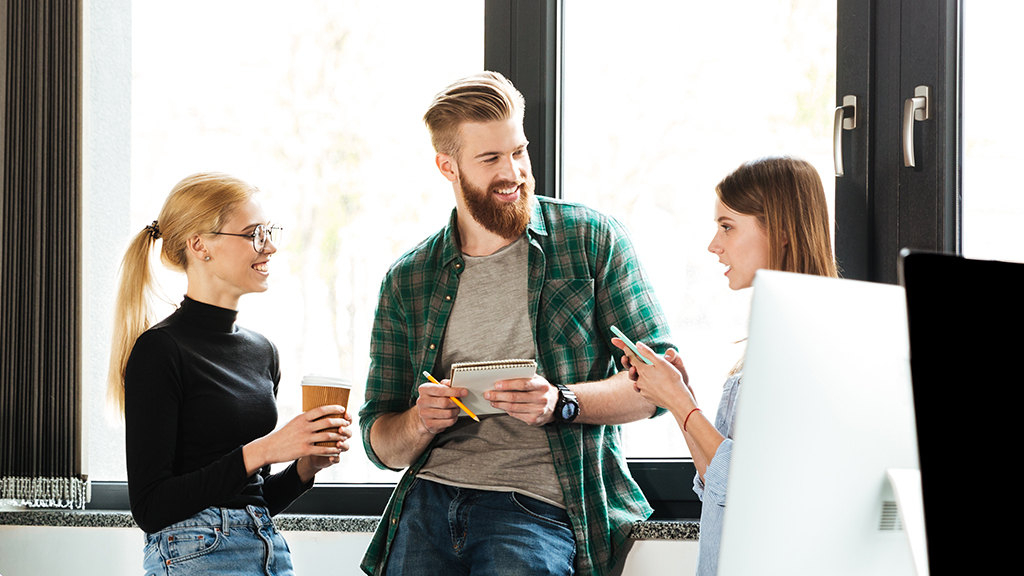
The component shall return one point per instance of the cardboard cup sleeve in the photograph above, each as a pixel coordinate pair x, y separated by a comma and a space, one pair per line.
320, 391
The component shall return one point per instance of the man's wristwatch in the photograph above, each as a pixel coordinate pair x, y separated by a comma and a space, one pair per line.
567, 408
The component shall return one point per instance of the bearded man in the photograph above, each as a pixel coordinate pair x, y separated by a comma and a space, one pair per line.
542, 487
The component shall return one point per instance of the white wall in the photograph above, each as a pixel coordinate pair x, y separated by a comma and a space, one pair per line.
45, 551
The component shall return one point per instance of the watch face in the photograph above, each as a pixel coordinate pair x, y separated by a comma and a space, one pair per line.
568, 411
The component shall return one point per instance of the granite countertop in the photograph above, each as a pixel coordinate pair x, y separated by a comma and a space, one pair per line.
650, 530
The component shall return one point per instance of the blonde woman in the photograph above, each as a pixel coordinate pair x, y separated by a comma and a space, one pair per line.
771, 214
198, 392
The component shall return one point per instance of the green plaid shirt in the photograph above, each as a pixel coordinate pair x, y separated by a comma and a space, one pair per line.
584, 277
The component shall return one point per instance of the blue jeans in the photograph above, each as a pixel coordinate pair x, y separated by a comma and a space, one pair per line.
219, 541
445, 530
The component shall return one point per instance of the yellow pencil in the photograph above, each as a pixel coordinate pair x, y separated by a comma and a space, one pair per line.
454, 399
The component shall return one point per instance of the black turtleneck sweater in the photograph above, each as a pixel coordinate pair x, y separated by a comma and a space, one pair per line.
197, 389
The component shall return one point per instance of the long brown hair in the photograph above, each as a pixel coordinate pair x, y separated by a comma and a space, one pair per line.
786, 196
199, 203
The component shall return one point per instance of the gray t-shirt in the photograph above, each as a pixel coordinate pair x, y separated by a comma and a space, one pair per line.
490, 320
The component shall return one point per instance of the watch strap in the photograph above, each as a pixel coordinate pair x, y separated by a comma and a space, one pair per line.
565, 396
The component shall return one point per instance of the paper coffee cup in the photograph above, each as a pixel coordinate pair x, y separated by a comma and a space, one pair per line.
320, 391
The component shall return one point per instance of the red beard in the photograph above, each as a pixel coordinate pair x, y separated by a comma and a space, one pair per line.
507, 220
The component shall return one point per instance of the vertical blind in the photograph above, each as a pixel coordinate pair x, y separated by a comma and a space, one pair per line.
40, 260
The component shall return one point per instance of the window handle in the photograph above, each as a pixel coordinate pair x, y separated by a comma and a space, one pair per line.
916, 108
843, 122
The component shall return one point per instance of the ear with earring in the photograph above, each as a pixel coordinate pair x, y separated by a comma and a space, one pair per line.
195, 246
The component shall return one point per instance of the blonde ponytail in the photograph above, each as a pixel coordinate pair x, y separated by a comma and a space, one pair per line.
198, 204
133, 310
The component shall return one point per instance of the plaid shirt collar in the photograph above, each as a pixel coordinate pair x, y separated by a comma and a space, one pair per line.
450, 251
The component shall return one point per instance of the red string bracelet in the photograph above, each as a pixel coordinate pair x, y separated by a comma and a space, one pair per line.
687, 419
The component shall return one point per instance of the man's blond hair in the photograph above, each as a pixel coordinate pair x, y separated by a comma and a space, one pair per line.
483, 97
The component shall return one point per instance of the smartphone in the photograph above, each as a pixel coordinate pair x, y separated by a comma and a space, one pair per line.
632, 346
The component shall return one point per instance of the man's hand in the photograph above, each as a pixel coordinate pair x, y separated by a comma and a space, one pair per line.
436, 410
532, 401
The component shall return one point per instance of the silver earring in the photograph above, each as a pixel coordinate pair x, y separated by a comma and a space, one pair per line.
207, 258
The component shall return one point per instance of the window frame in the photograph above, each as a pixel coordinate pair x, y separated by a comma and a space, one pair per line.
523, 42
873, 220
664, 482
887, 49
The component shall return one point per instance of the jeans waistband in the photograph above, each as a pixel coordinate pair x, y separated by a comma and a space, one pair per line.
225, 518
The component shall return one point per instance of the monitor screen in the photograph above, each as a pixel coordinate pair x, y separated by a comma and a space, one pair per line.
965, 318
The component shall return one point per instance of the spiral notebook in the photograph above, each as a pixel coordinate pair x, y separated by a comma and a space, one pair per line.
479, 377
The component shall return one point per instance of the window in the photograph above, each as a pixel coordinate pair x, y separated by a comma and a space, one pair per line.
993, 205
662, 101
658, 73
319, 106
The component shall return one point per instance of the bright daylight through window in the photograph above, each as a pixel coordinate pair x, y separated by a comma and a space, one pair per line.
320, 106
656, 118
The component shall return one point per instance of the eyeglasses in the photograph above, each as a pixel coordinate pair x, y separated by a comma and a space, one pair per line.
259, 236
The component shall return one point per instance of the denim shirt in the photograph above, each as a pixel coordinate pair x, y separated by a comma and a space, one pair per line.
711, 490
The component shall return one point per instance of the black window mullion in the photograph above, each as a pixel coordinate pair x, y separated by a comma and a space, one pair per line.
929, 193
885, 170
853, 208
521, 41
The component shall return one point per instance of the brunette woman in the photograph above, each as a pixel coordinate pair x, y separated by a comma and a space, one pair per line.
771, 213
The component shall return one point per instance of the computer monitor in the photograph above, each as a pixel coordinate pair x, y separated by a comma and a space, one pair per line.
965, 320
825, 410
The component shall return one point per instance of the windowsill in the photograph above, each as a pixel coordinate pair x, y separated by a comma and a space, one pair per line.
650, 530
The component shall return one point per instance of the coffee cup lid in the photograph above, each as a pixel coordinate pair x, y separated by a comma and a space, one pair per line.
318, 380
